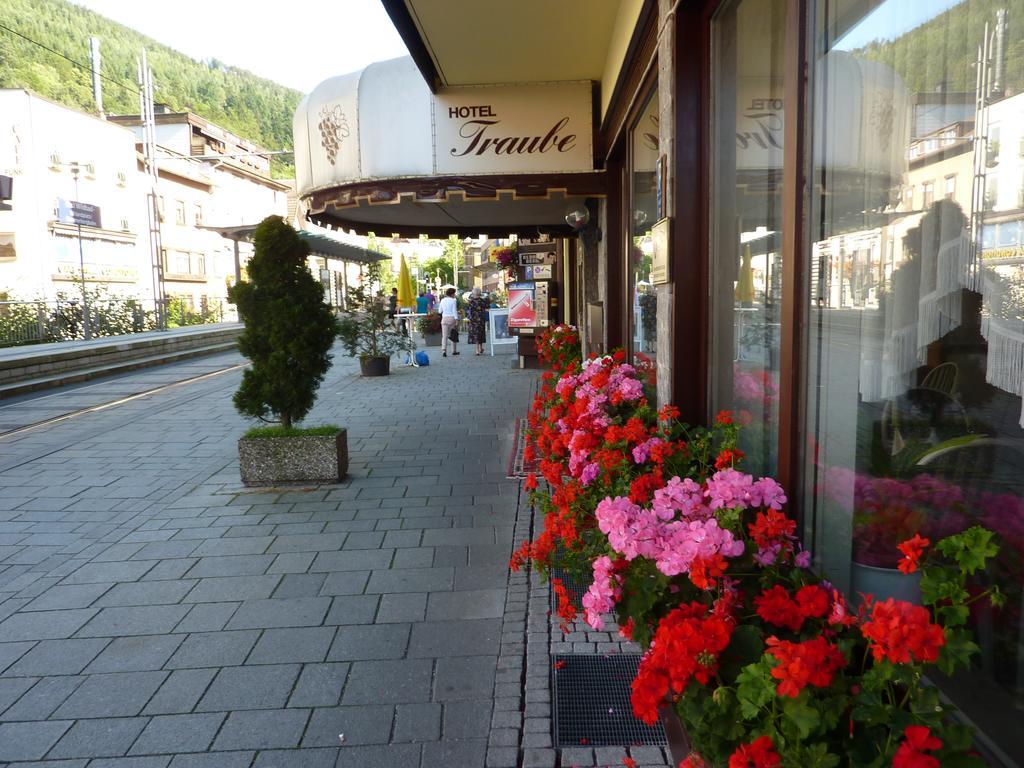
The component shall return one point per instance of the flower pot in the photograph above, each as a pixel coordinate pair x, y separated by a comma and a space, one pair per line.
305, 458
432, 339
375, 366
675, 733
883, 583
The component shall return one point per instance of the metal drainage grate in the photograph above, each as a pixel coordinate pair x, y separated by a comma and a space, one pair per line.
517, 468
591, 703
576, 589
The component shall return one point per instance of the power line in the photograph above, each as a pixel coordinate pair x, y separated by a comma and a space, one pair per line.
86, 67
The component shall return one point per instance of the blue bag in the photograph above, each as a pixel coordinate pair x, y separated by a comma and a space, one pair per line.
422, 358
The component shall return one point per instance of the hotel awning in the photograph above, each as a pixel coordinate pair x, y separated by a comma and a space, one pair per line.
376, 151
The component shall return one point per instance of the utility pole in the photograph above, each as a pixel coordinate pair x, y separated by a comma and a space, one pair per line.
75, 170
148, 117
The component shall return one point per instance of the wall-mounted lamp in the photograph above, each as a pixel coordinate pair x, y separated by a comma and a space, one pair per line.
578, 217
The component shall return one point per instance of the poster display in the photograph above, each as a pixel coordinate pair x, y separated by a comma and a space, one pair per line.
500, 333
522, 310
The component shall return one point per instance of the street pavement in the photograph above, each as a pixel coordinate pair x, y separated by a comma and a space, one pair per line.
154, 613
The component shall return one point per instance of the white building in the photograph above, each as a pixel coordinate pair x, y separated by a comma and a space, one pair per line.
39, 255
208, 178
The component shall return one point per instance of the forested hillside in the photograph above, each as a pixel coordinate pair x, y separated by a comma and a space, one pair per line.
250, 106
942, 52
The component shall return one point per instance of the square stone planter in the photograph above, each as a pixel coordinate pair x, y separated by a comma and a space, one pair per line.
432, 339
307, 458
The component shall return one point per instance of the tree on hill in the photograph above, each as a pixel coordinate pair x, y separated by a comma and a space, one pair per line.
249, 106
289, 330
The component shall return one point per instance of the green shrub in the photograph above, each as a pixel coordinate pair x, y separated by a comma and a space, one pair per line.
289, 330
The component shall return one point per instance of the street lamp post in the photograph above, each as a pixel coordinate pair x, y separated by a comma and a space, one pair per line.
81, 261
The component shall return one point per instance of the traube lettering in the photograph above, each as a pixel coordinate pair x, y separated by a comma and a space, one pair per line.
480, 140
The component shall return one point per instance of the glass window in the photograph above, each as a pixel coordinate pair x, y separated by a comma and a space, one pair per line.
643, 143
746, 239
914, 412
928, 193
179, 212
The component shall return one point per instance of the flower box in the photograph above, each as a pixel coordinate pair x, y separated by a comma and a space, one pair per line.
294, 459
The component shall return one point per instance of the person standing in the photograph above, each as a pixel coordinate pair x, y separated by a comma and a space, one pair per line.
449, 310
422, 304
476, 309
431, 300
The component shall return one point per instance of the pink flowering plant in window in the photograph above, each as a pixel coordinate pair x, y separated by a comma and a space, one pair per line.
765, 662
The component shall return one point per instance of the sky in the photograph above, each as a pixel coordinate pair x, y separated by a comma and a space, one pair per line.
297, 46
891, 19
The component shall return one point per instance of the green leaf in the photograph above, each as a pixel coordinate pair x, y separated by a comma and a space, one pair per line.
754, 689
953, 615
801, 716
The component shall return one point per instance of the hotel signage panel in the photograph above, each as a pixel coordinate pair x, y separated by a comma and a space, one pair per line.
513, 129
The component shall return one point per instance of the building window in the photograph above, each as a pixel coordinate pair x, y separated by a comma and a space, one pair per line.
746, 237
199, 215
927, 193
200, 265
908, 198
643, 208
179, 212
913, 401
181, 263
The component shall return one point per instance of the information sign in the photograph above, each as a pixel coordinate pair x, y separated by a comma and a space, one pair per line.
75, 212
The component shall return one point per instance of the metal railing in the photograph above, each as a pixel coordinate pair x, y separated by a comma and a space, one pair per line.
42, 322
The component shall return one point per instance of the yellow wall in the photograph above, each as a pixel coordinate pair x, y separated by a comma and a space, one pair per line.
625, 23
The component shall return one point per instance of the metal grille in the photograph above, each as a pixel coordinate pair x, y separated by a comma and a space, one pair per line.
517, 468
576, 589
591, 703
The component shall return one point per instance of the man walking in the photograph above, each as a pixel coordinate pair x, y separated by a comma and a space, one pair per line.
449, 310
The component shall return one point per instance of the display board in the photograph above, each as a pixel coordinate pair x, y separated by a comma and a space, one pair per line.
500, 333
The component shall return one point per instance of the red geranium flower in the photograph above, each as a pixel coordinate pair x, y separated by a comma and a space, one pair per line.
775, 606
770, 527
814, 601
918, 739
724, 417
685, 647
812, 662
728, 458
531, 482
912, 550
705, 571
902, 633
760, 753
642, 489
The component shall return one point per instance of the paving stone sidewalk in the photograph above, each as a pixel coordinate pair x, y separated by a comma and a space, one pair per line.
154, 613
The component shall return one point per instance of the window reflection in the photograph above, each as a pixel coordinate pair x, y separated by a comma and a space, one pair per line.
916, 332
644, 214
747, 240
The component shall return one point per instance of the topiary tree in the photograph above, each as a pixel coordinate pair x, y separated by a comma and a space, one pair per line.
289, 330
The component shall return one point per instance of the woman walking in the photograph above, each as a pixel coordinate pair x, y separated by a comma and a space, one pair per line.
476, 309
449, 310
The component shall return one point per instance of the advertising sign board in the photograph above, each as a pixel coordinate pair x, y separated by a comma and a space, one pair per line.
522, 311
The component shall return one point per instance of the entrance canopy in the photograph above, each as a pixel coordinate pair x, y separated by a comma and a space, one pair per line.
375, 150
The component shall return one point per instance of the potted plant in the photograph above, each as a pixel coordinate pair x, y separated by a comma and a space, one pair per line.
366, 331
759, 659
430, 327
289, 331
